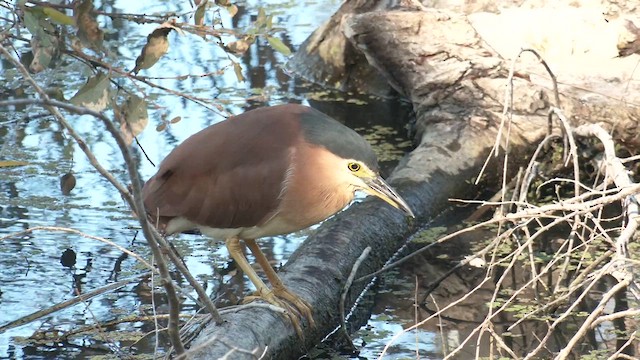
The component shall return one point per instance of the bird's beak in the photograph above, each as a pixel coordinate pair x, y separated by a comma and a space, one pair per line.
376, 186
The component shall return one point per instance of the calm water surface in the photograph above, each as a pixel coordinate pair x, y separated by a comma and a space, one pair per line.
32, 275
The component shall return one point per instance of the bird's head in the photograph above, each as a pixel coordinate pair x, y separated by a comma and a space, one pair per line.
353, 160
363, 178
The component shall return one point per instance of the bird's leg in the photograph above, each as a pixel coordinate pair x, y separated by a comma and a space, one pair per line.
279, 289
235, 250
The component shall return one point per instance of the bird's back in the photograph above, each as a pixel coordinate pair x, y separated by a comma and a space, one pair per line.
230, 174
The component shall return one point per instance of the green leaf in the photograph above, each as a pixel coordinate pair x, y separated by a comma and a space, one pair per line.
44, 45
94, 94
269, 23
58, 17
12, 163
261, 19
238, 70
278, 45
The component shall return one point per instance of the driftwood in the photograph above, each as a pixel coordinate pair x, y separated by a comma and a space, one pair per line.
328, 58
456, 82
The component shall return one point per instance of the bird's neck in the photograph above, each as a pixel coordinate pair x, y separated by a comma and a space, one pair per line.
314, 192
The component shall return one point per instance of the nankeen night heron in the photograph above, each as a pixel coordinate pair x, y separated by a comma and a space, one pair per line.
269, 171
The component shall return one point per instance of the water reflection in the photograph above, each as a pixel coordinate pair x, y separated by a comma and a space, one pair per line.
33, 275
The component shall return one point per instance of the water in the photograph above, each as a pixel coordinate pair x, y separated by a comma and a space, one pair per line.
32, 276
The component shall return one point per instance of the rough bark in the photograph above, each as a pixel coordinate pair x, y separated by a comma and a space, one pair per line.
456, 82
329, 59
452, 74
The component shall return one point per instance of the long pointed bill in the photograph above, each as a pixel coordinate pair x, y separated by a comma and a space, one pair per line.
378, 187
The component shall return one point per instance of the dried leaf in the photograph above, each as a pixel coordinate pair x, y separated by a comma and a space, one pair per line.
58, 17
157, 45
238, 70
67, 183
94, 94
135, 118
232, 9
161, 127
43, 55
200, 12
68, 258
173, 25
223, 2
175, 119
44, 42
278, 45
629, 41
238, 47
12, 163
89, 32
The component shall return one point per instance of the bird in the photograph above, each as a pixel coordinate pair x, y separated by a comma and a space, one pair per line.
269, 171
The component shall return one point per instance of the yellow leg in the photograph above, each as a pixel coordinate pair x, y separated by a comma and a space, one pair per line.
279, 289
235, 250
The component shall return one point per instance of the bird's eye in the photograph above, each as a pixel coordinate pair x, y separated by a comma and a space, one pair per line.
354, 167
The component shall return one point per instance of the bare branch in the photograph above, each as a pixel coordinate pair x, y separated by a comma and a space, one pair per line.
135, 202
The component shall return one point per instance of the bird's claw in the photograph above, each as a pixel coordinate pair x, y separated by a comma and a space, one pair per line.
302, 306
294, 306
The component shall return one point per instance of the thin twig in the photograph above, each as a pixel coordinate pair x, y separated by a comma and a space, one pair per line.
80, 233
502, 344
416, 308
445, 347
67, 303
347, 286
595, 313
202, 294
617, 315
135, 202
177, 262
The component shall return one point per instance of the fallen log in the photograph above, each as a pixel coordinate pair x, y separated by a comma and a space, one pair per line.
456, 83
329, 59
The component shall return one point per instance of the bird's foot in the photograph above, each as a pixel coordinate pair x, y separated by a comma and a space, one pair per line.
301, 305
293, 305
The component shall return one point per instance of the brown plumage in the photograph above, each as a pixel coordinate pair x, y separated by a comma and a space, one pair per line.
269, 171
228, 181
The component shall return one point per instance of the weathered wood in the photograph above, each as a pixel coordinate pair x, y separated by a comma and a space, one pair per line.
451, 74
456, 82
328, 58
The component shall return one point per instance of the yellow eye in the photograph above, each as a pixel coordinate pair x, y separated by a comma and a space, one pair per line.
354, 167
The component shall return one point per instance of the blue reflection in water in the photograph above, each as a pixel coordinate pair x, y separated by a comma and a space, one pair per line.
31, 275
